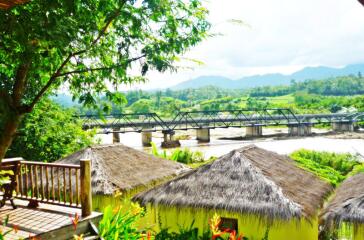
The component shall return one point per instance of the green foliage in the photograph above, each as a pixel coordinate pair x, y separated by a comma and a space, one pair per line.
185, 155
332, 167
49, 133
112, 34
117, 225
357, 169
141, 106
7, 232
5, 176
90, 47
339, 86
300, 97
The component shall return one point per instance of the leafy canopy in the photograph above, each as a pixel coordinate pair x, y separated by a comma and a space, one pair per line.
92, 46
49, 133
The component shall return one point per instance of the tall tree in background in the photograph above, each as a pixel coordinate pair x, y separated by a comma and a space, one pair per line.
89, 46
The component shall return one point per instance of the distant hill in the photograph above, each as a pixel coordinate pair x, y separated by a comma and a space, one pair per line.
316, 73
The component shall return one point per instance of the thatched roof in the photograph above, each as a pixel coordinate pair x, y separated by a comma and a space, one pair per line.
117, 167
347, 205
248, 180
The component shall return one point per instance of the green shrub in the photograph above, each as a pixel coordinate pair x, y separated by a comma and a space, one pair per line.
357, 169
185, 155
332, 167
118, 225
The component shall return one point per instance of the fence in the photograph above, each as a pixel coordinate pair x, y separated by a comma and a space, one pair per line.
58, 184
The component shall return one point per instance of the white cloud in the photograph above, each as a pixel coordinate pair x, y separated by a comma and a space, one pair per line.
285, 35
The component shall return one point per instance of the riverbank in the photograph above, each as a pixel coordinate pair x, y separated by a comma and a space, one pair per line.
274, 139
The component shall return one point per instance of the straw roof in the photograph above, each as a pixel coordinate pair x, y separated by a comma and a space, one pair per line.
248, 180
6, 4
347, 205
117, 167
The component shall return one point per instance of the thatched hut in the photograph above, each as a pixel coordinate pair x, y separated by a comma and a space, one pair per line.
250, 188
121, 168
344, 214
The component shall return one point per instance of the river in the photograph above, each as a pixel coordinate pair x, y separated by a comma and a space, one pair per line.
283, 145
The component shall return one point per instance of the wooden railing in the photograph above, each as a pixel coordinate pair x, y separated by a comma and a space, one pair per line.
58, 184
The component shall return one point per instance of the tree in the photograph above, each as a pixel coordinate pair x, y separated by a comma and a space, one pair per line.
49, 133
142, 106
88, 46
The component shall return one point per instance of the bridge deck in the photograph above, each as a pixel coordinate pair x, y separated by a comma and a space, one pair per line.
150, 122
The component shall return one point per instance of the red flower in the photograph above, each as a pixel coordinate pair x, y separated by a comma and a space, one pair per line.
75, 221
16, 228
233, 236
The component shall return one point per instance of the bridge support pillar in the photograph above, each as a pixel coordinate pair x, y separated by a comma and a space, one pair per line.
146, 139
116, 136
254, 131
203, 135
343, 126
168, 140
300, 129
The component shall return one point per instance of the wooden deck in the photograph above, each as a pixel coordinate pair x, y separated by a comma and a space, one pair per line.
45, 222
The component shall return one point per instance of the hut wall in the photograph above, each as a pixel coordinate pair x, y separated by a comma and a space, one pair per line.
248, 225
359, 232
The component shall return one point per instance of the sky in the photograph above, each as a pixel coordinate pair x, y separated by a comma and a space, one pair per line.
278, 36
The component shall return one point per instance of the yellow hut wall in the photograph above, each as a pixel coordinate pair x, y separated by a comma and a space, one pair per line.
359, 232
349, 231
249, 225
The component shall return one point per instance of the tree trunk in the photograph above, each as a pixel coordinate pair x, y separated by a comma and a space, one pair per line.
10, 124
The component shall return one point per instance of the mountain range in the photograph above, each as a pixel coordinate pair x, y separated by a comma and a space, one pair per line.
275, 79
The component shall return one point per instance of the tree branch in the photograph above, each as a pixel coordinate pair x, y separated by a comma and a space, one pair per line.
20, 81
98, 69
55, 75
103, 30
51, 80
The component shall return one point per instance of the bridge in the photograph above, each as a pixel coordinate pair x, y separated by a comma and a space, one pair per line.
203, 121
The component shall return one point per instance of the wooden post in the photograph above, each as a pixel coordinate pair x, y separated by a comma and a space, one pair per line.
86, 191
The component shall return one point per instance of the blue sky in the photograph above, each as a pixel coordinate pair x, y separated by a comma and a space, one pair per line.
280, 36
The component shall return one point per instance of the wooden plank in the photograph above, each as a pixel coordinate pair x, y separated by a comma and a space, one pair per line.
26, 180
86, 191
70, 185
41, 182
64, 186
51, 164
52, 184
58, 185
47, 183
31, 180
20, 192
77, 190
36, 181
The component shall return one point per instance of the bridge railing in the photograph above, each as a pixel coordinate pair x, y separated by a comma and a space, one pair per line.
136, 122
232, 118
144, 122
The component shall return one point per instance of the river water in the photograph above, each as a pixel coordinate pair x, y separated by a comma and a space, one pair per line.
217, 146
